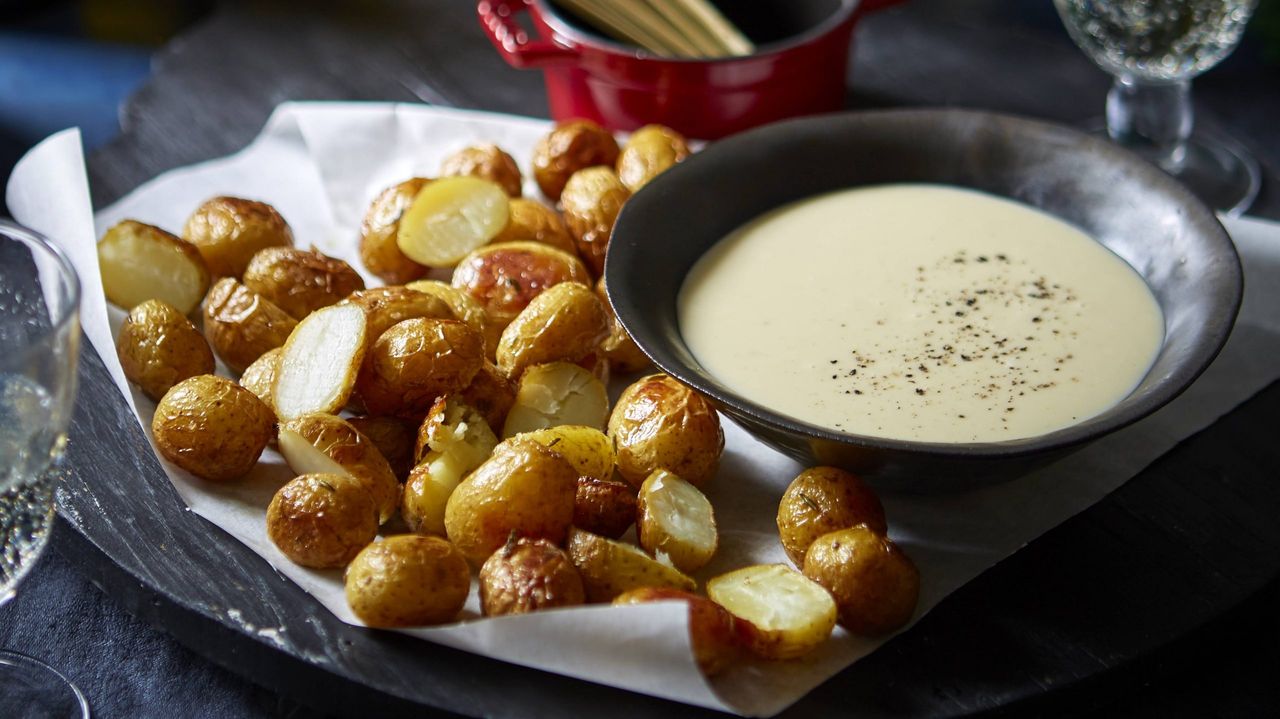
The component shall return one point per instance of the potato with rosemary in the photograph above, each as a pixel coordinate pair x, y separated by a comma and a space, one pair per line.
505, 278
658, 423
648, 152
586, 448
241, 325
609, 567
554, 394
568, 148
452, 441
875, 584
564, 323
325, 443
821, 500
528, 575
415, 362
378, 249
322, 520
229, 231
675, 521
532, 221
159, 347
592, 200
793, 614
300, 281
407, 581
140, 262
212, 427
488, 162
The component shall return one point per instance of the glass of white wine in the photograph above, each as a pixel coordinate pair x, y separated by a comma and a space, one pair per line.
39, 346
1154, 48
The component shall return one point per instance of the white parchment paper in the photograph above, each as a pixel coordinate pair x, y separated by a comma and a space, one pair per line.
320, 164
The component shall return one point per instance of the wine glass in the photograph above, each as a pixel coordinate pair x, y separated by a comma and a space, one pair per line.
39, 346
1154, 48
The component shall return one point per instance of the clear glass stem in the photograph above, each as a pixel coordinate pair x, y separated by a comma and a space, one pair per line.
1152, 119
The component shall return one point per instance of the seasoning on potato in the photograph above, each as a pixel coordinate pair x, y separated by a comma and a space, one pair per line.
319, 442
140, 262
378, 249
658, 423
569, 147
159, 347
875, 584
718, 637
212, 427
452, 441
260, 377
393, 437
605, 507
793, 615
322, 520
618, 348
229, 231
415, 362
486, 161
451, 217
528, 575
387, 306
675, 521
592, 200
609, 567
241, 325
649, 152
505, 278
300, 281
492, 395
586, 448
564, 323
406, 581
822, 500
532, 221
319, 362
554, 394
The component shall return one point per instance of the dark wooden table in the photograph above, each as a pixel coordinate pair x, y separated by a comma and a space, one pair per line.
1131, 591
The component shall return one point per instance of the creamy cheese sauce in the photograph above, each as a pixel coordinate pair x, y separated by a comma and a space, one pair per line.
921, 312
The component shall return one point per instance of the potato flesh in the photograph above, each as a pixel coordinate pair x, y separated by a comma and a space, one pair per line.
676, 521
139, 263
318, 366
556, 394
451, 217
453, 448
794, 614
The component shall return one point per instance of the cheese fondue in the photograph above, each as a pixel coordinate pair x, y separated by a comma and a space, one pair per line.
921, 312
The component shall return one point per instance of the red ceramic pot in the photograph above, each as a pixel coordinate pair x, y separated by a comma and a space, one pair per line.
623, 87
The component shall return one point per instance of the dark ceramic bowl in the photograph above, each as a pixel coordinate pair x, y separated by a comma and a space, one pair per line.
1157, 226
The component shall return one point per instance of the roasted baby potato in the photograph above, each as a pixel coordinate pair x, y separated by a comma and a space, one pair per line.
140, 262
822, 500
212, 427
875, 584
387, 306
609, 568
406, 581
592, 200
378, 249
159, 347
451, 217
319, 442
417, 361
792, 614
486, 161
523, 488
464, 307
618, 348
453, 440
718, 637
229, 231
300, 281
532, 221
322, 520
564, 323
505, 278
659, 423
649, 152
557, 393
241, 325
392, 436
569, 147
260, 377
492, 394
675, 521
604, 506
318, 365
586, 448
527, 575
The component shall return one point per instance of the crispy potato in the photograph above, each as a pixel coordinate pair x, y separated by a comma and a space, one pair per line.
649, 152
659, 423
486, 161
675, 521
319, 442
609, 568
394, 439
564, 323
718, 637
492, 394
322, 520
505, 278
300, 281
464, 307
229, 231
387, 306
523, 488
378, 249
212, 427
260, 377
527, 575
569, 147
604, 506
241, 325
592, 200
406, 581
792, 614
451, 217
875, 584
453, 440
586, 448
532, 221
319, 362
140, 262
822, 500
550, 395
417, 361
621, 351
159, 347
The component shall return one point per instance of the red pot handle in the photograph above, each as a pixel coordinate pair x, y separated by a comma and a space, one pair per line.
497, 17
867, 6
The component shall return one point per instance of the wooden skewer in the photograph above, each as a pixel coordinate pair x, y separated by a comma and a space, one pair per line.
717, 24
707, 43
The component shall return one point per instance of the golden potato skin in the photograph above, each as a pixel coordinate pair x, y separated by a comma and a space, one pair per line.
875, 584
464, 307
407, 580
387, 306
229, 231
241, 325
822, 500
618, 348
592, 200
300, 281
532, 221
378, 249
486, 161
564, 323
649, 152
527, 575
322, 520
212, 427
416, 361
354, 453
394, 439
159, 347
658, 423
569, 147
718, 637
604, 506
260, 377
505, 278
609, 568
492, 394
